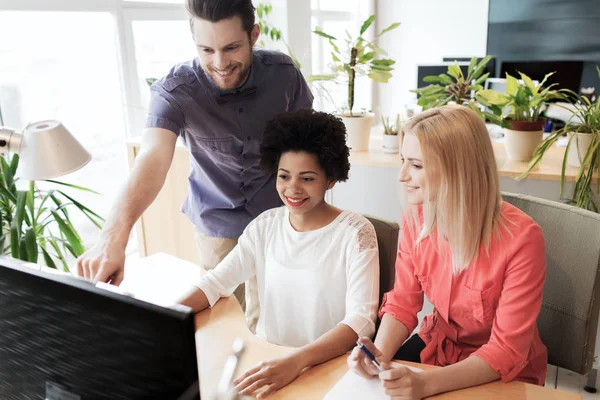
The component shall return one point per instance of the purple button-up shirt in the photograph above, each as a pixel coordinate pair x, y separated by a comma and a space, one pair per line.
223, 132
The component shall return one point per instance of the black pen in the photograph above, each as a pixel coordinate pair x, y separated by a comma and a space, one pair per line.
370, 356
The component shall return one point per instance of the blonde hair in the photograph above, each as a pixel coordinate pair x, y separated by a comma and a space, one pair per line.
462, 196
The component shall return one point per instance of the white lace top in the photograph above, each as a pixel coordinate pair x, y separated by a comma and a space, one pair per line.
308, 282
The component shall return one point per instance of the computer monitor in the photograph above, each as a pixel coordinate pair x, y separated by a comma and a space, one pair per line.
567, 73
61, 337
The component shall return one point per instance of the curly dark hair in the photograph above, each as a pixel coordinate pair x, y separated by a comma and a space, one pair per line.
314, 132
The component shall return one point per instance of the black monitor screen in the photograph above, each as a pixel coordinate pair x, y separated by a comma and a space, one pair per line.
567, 73
63, 338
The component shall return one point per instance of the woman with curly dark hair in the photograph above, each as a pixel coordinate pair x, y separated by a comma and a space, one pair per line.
316, 266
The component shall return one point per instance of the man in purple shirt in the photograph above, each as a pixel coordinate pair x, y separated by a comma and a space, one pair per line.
218, 104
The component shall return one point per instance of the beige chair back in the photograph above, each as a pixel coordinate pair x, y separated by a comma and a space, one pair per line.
569, 317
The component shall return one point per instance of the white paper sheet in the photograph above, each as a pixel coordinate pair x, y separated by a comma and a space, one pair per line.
352, 386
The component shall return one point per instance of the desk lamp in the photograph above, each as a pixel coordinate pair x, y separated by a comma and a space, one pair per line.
46, 149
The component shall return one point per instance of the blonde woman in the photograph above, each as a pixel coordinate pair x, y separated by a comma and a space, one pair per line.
480, 261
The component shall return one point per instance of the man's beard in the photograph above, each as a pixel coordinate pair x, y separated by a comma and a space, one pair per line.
239, 74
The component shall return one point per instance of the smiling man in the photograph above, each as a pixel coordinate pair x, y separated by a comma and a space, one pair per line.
218, 104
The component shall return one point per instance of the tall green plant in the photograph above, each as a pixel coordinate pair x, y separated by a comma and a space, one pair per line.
36, 224
358, 57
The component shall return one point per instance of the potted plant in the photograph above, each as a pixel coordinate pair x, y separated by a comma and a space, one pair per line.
583, 151
520, 107
358, 57
390, 135
453, 86
36, 224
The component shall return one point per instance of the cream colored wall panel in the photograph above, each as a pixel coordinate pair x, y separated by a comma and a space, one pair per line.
163, 228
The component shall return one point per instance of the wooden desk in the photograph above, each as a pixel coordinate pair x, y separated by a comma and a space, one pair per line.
162, 278
217, 328
549, 168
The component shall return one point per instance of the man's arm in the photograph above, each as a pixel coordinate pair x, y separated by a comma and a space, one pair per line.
105, 261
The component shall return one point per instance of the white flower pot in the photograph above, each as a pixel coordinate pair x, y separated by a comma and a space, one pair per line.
390, 143
358, 128
521, 141
581, 143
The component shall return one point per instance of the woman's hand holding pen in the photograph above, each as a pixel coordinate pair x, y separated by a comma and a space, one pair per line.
399, 382
272, 374
360, 363
402, 383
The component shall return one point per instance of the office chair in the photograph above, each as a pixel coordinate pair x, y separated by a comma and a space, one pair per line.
387, 241
568, 320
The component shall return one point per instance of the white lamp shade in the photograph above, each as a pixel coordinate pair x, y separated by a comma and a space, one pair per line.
49, 150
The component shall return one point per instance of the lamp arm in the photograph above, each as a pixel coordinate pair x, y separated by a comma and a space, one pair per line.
10, 141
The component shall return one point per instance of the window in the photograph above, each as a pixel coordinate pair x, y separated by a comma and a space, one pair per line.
335, 17
84, 62
48, 72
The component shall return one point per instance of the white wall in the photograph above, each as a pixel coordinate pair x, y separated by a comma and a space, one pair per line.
429, 31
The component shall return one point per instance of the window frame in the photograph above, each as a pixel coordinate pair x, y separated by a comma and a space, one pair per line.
124, 14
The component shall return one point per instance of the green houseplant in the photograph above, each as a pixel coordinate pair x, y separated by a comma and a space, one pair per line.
583, 151
390, 134
271, 31
353, 58
36, 224
453, 86
519, 111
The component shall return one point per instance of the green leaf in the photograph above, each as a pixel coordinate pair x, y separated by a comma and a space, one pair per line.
366, 57
511, 85
48, 259
383, 61
23, 250
70, 234
71, 186
381, 67
472, 65
14, 240
454, 70
529, 83
80, 206
8, 173
314, 78
546, 78
20, 209
432, 79
481, 66
334, 46
6, 193
366, 24
14, 163
31, 245
389, 28
482, 78
52, 240
380, 76
31, 200
491, 97
321, 33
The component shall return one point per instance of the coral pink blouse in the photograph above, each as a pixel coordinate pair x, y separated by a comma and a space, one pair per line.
489, 310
